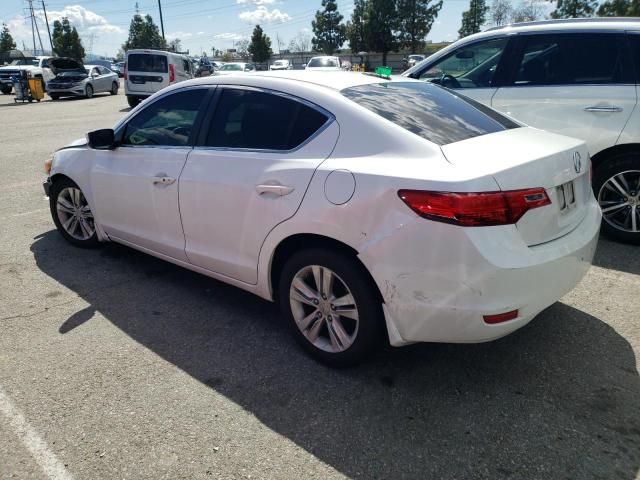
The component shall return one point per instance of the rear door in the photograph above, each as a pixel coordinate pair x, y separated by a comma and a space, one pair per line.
250, 173
576, 84
147, 72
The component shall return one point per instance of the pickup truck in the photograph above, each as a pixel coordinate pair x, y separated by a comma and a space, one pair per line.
35, 66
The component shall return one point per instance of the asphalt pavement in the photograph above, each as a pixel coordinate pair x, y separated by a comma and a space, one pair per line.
116, 365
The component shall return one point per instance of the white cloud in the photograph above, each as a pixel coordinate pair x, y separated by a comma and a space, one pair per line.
255, 2
229, 36
263, 15
84, 20
184, 35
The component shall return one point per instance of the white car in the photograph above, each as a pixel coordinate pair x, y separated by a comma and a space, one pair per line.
324, 63
367, 207
37, 67
281, 65
235, 67
574, 77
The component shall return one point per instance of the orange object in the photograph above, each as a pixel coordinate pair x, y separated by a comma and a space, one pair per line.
36, 87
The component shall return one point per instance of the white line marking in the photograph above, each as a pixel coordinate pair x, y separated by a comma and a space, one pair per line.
52, 467
30, 212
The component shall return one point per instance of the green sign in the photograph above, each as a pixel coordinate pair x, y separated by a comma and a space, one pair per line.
383, 71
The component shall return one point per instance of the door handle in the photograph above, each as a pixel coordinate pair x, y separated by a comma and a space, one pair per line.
608, 109
163, 180
276, 189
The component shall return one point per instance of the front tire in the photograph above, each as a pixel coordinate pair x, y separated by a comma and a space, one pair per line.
72, 215
54, 96
114, 89
616, 184
133, 101
88, 91
6, 89
332, 306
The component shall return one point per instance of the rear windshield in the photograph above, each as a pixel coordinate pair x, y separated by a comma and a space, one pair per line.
323, 62
147, 62
432, 112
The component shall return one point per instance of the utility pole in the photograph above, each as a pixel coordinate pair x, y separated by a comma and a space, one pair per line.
48, 30
161, 21
33, 30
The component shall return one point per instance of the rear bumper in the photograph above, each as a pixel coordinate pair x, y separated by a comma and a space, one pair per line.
440, 291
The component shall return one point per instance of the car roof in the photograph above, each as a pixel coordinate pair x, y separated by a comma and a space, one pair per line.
572, 24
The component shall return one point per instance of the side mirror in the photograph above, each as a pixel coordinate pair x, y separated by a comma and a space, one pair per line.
103, 139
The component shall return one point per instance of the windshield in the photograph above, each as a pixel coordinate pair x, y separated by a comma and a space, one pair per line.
323, 62
147, 62
431, 112
25, 61
415, 57
232, 66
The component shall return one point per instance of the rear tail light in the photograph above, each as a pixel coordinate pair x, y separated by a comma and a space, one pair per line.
124, 75
500, 317
172, 73
481, 209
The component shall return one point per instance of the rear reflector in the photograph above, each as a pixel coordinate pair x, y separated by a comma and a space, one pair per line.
125, 71
480, 209
172, 73
501, 317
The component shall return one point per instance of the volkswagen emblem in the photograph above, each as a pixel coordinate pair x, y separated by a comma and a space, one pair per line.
577, 162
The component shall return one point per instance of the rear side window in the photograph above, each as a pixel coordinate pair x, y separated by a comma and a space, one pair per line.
262, 121
143, 62
635, 52
167, 122
431, 112
573, 59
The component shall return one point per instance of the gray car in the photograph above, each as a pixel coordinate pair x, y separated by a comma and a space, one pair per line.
72, 79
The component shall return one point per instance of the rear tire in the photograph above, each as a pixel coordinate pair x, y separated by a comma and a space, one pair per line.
72, 215
339, 322
616, 185
6, 89
88, 91
133, 101
114, 88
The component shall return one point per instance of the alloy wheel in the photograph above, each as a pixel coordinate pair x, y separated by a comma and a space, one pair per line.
324, 308
74, 214
619, 198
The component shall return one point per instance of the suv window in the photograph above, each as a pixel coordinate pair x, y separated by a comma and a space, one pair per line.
573, 59
431, 112
147, 62
168, 121
635, 53
470, 66
260, 120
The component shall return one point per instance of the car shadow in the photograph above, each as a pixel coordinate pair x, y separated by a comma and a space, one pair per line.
128, 109
617, 256
558, 399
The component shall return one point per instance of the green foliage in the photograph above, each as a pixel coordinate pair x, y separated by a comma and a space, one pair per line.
356, 27
66, 41
574, 8
619, 8
6, 40
329, 31
381, 26
474, 18
415, 20
143, 33
260, 46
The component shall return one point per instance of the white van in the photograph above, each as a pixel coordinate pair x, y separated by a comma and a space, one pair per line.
147, 71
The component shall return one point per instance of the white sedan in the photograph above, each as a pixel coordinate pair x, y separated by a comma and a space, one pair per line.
324, 62
368, 208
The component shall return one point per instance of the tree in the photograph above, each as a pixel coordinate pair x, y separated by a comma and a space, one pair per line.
381, 26
143, 33
416, 18
260, 46
175, 45
6, 40
242, 48
329, 32
501, 12
474, 18
527, 11
301, 44
66, 41
619, 8
574, 9
356, 27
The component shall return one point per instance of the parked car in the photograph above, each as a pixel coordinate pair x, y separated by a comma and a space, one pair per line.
281, 65
575, 77
235, 67
72, 79
148, 71
115, 68
412, 60
204, 68
434, 228
324, 63
36, 67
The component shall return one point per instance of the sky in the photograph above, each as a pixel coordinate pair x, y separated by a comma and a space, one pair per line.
199, 24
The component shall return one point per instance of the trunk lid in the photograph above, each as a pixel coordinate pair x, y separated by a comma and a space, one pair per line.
528, 158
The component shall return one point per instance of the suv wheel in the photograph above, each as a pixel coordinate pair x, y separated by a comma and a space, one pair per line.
616, 183
331, 305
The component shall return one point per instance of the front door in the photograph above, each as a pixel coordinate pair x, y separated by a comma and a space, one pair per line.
576, 84
135, 186
250, 174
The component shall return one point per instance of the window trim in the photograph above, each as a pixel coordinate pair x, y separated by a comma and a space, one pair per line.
121, 129
518, 51
213, 107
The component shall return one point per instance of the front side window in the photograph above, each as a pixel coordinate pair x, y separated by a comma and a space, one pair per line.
471, 66
262, 121
431, 112
572, 59
168, 121
139, 62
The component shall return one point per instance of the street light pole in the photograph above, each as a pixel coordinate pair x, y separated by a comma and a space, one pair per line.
161, 21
